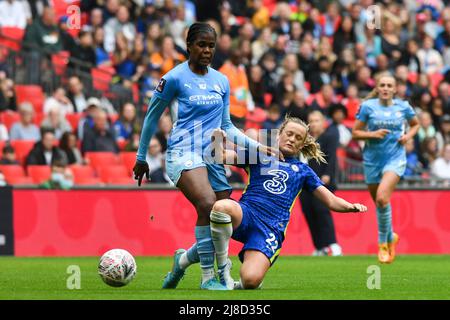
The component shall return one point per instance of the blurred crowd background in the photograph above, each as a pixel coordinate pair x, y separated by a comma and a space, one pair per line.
76, 77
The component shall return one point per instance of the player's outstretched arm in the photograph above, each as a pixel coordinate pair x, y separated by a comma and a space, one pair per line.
335, 203
155, 109
222, 155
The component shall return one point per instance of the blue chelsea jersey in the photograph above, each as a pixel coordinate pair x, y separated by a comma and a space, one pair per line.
273, 186
393, 118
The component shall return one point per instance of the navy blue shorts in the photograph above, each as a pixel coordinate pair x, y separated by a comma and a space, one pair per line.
257, 234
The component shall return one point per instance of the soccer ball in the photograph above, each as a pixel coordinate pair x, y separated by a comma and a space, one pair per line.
117, 267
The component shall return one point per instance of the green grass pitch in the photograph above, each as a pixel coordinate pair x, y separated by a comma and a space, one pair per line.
291, 278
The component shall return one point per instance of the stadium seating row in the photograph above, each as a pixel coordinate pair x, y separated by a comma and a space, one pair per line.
103, 167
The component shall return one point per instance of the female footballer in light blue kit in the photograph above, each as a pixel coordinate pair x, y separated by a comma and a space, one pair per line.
198, 98
381, 123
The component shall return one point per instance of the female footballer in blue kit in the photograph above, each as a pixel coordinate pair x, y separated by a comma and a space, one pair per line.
198, 98
260, 218
381, 123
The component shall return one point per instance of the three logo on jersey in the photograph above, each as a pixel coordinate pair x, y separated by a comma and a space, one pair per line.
277, 184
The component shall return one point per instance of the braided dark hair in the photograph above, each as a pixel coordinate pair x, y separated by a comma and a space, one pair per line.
197, 28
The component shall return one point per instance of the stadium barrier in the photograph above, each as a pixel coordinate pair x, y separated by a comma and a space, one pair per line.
88, 222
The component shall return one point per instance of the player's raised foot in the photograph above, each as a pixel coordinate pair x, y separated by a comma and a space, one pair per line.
224, 274
173, 277
212, 284
383, 253
392, 245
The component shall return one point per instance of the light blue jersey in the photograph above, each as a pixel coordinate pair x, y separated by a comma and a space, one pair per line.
380, 155
198, 105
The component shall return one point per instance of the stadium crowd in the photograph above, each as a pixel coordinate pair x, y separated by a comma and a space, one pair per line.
281, 57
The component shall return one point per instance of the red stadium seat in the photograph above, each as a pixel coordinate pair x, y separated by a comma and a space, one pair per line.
101, 77
32, 94
60, 61
128, 159
122, 143
88, 181
74, 119
112, 173
122, 181
22, 149
11, 37
19, 181
101, 159
38, 118
81, 173
8, 118
11, 172
39, 174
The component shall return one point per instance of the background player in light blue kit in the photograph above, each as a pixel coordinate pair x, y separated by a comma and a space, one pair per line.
198, 97
381, 123
260, 218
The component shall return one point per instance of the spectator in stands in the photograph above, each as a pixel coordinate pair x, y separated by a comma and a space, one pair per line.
154, 154
440, 168
430, 59
84, 51
101, 137
286, 88
410, 58
444, 94
338, 113
319, 218
390, 38
290, 65
427, 129
7, 94
413, 165
76, 94
164, 128
324, 99
44, 152
68, 144
270, 76
274, 118
222, 51
126, 125
102, 57
121, 58
256, 86
56, 121
119, 23
241, 101
428, 151
25, 129
87, 121
43, 33
9, 156
133, 142
61, 176
443, 136
298, 108
321, 76
95, 20
261, 45
68, 42
14, 13
58, 100
166, 58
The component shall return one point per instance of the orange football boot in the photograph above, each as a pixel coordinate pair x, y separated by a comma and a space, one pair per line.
383, 253
392, 245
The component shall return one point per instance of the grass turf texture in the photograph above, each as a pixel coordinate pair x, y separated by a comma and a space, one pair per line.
291, 278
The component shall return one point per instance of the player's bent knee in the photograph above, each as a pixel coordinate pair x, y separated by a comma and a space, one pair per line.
382, 201
225, 206
251, 281
205, 205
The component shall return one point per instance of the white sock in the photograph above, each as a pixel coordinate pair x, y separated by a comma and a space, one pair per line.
207, 273
221, 231
184, 261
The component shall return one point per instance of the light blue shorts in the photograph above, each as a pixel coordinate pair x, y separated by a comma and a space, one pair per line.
178, 161
373, 174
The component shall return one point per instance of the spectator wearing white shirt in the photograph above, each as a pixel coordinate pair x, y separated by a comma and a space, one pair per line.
25, 129
440, 168
14, 13
59, 101
430, 59
120, 23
